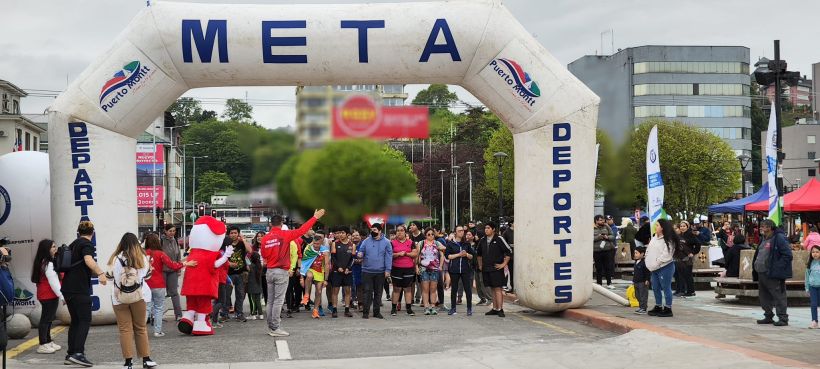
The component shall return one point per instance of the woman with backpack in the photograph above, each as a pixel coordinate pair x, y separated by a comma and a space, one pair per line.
48, 293
158, 258
130, 267
431, 261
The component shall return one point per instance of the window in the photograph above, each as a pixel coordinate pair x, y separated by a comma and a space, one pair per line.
812, 172
34, 145
692, 111
15, 107
812, 139
393, 89
812, 154
691, 67
28, 141
313, 102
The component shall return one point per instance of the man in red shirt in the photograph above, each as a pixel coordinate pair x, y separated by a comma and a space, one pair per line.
275, 251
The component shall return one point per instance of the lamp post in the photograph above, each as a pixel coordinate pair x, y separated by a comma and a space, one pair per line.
184, 206
500, 157
470, 174
154, 179
454, 215
744, 161
441, 171
193, 194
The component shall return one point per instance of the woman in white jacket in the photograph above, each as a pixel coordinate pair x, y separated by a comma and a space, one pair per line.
48, 293
130, 266
659, 262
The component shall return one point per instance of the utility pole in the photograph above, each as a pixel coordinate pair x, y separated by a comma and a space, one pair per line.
470, 174
454, 216
441, 171
154, 208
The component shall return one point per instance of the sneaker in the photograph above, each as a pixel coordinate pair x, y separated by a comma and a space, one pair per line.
452, 311
66, 361
149, 364
261, 317
469, 312
427, 311
690, 294
348, 314
481, 302
45, 349
678, 294
365, 316
378, 316
611, 287
315, 314
241, 318
458, 302
492, 312
655, 310
813, 325
80, 359
278, 332
305, 300
501, 313
55, 346
666, 312
321, 311
433, 312
252, 317
640, 311
393, 311
765, 321
410, 312
128, 366
159, 334
218, 325
442, 308
781, 323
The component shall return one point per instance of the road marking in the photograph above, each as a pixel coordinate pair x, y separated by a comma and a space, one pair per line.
31, 343
548, 325
282, 350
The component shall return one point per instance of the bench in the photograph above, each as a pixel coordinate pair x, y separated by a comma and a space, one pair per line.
746, 289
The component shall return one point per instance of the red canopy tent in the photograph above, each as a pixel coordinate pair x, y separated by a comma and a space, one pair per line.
804, 199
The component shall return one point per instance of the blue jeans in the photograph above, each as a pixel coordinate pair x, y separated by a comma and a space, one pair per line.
156, 308
814, 294
662, 282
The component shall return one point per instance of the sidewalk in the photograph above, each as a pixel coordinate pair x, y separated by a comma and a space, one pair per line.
721, 324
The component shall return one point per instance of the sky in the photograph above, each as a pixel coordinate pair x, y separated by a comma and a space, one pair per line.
45, 44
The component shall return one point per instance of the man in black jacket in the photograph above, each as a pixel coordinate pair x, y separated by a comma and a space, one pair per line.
772, 267
644, 235
493, 256
732, 257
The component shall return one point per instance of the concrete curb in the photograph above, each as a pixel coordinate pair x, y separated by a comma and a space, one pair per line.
621, 325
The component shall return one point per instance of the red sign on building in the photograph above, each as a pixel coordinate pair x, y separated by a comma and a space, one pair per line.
359, 117
150, 176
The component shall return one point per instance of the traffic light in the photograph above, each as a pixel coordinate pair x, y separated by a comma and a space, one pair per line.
213, 213
201, 210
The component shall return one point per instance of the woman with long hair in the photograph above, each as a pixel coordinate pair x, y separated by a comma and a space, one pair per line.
130, 264
684, 256
158, 258
48, 293
431, 261
257, 246
659, 261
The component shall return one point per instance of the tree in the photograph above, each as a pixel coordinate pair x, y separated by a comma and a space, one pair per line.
220, 141
437, 97
698, 168
759, 124
189, 110
238, 111
285, 190
501, 141
348, 178
607, 174
211, 183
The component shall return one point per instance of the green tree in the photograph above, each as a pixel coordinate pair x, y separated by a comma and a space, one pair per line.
238, 111
759, 124
285, 189
437, 97
348, 178
501, 141
211, 183
698, 168
220, 141
189, 110
607, 173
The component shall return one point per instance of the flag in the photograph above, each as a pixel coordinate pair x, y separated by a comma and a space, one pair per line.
654, 181
18, 145
775, 202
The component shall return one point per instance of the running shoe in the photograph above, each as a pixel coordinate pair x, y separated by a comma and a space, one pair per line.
305, 300
315, 314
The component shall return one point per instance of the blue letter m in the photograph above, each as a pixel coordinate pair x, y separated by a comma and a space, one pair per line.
192, 29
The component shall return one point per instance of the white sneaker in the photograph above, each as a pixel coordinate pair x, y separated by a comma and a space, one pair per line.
55, 346
261, 317
159, 334
251, 317
149, 364
611, 287
278, 333
45, 349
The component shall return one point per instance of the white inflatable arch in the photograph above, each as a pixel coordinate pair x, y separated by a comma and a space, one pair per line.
170, 48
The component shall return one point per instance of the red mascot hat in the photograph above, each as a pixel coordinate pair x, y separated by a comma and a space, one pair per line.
214, 225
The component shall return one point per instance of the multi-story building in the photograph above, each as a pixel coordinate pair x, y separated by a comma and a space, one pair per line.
169, 177
797, 95
801, 149
17, 133
314, 106
815, 86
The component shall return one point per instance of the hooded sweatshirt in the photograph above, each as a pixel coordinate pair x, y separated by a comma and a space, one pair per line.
658, 254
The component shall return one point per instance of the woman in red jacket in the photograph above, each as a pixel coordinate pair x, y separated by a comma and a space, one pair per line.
48, 293
156, 308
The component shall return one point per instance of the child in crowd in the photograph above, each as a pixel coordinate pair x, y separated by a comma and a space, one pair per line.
255, 285
640, 279
813, 283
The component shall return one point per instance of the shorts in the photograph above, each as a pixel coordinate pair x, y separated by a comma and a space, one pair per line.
495, 279
338, 279
317, 276
429, 275
403, 277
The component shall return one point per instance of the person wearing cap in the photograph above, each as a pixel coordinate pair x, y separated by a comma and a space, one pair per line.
376, 253
611, 223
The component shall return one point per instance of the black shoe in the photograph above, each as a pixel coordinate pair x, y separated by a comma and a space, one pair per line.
678, 294
501, 313
289, 314
781, 323
492, 312
690, 294
655, 311
765, 321
147, 364
666, 312
66, 361
80, 359
365, 316
393, 311
410, 312
378, 316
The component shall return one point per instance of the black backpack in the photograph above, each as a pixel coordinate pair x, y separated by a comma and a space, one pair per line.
62, 261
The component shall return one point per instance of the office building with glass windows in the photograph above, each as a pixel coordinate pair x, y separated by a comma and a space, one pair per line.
314, 106
706, 86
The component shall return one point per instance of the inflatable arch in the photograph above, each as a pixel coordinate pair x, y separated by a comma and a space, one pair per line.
170, 48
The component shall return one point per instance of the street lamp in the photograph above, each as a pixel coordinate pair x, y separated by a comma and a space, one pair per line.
441, 171
500, 158
193, 195
454, 215
744, 161
470, 174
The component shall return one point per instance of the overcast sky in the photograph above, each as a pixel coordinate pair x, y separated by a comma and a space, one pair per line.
45, 44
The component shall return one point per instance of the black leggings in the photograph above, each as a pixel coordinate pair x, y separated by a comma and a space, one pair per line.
467, 282
293, 295
684, 279
46, 318
79, 308
604, 265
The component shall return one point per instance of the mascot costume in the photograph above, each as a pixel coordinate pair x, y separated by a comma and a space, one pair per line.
200, 284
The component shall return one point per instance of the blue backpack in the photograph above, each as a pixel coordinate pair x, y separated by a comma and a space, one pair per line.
6, 286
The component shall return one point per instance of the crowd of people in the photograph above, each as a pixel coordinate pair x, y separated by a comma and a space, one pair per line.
290, 270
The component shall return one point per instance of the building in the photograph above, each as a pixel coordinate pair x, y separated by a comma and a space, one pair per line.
168, 172
797, 95
17, 133
801, 149
815, 86
314, 106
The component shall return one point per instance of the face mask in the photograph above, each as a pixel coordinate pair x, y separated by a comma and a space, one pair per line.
374, 234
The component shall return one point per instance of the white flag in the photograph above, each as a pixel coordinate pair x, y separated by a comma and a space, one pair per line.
654, 181
771, 165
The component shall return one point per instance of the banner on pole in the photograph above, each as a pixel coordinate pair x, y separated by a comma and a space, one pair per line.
654, 180
775, 203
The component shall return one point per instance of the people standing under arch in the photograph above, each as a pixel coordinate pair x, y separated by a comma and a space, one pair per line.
376, 253
48, 293
315, 267
430, 260
156, 282
341, 278
357, 290
460, 253
403, 273
170, 247
254, 286
484, 293
493, 255
659, 260
256, 246
416, 235
238, 271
